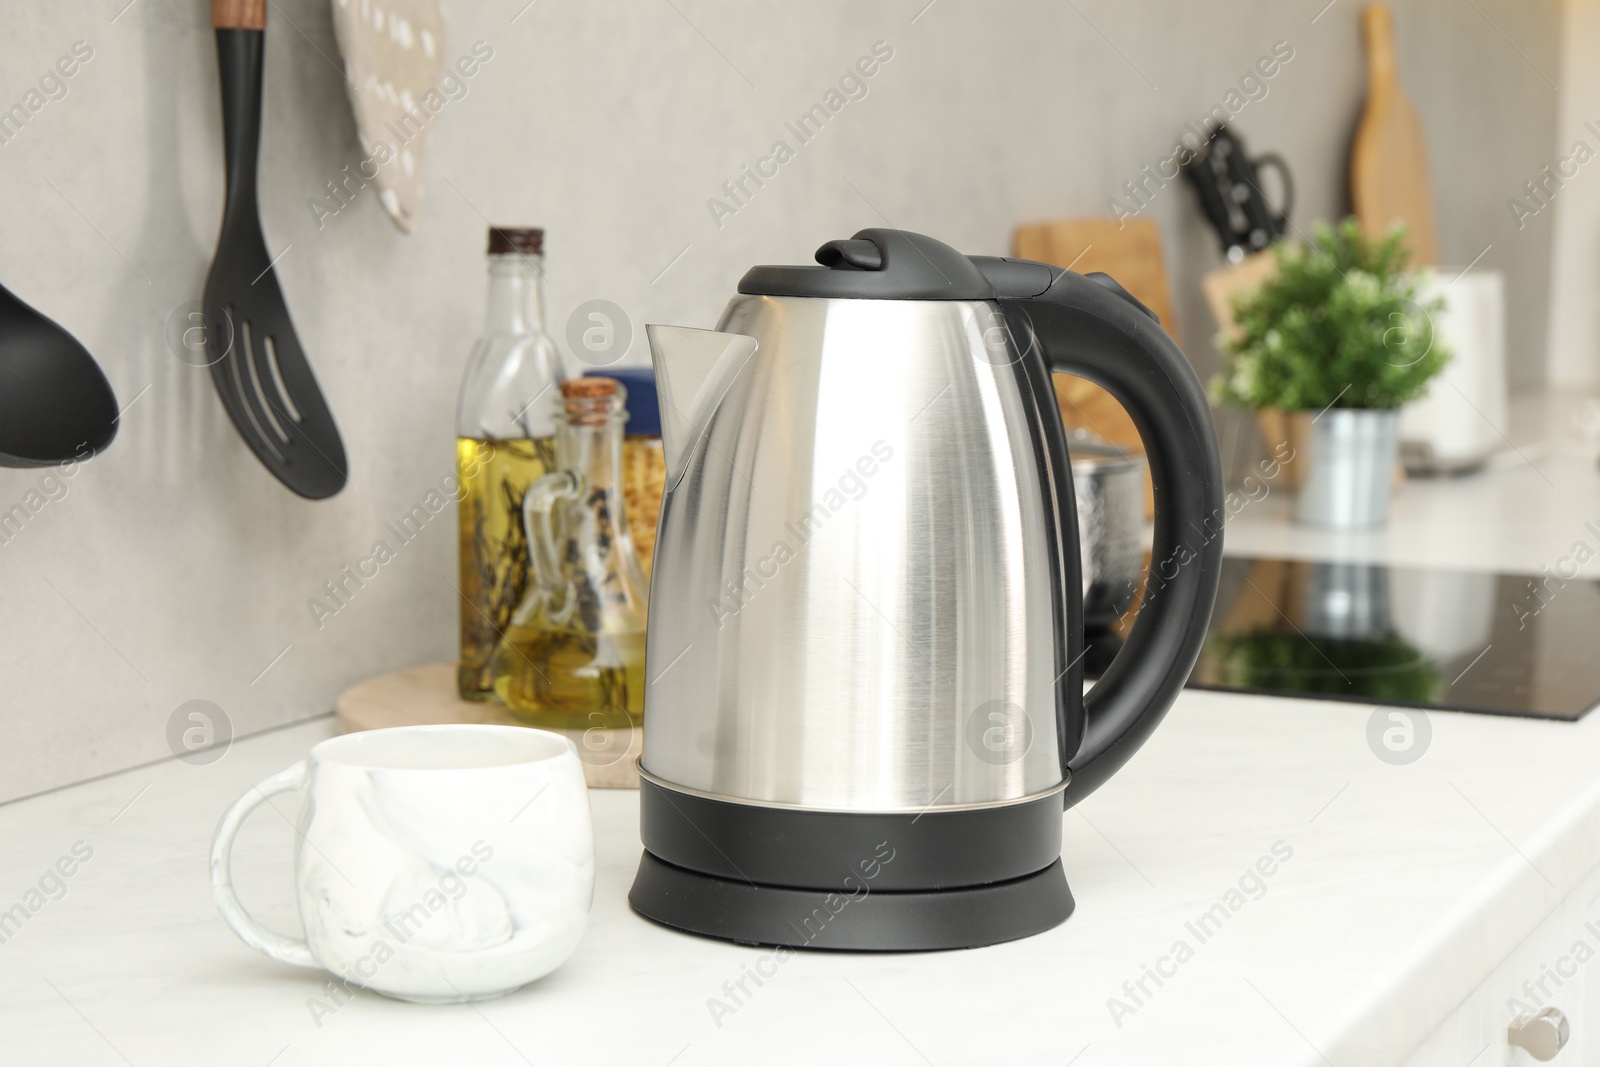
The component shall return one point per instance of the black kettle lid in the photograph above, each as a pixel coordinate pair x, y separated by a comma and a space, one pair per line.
876, 264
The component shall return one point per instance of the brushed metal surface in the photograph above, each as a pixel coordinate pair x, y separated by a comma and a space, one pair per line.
851, 605
687, 791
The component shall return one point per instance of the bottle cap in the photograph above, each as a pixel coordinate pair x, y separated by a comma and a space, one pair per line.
591, 401
644, 412
516, 241
586, 388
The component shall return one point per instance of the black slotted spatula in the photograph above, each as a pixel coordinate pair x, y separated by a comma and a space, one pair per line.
257, 364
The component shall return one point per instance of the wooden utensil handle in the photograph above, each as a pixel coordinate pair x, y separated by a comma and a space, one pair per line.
239, 14
1377, 26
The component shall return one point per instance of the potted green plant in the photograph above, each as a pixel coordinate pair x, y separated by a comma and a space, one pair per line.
1337, 338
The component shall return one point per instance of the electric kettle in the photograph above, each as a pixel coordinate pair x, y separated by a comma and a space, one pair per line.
864, 705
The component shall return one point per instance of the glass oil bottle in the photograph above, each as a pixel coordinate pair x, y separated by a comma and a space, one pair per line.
573, 657
505, 441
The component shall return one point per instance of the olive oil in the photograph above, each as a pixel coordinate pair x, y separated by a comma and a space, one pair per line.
571, 680
494, 475
504, 443
572, 657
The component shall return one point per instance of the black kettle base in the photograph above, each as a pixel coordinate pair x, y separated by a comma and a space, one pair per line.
864, 921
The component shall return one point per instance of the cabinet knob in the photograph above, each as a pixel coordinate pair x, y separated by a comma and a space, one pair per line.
1542, 1035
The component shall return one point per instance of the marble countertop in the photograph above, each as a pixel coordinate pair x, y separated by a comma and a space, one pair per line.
1393, 892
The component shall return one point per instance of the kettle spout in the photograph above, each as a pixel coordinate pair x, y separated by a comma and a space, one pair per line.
694, 368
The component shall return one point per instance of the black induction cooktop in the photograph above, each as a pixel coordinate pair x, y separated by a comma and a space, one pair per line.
1506, 644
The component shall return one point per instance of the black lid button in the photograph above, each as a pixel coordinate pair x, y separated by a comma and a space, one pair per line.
850, 255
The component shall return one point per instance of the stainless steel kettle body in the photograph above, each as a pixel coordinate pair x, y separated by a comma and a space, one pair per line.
865, 631
856, 598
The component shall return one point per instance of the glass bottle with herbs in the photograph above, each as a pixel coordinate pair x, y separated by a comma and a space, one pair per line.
504, 443
644, 463
573, 657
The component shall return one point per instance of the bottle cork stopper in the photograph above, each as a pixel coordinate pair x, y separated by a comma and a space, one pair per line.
589, 401
588, 387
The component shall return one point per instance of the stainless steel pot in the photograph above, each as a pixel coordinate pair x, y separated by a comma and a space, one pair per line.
1109, 485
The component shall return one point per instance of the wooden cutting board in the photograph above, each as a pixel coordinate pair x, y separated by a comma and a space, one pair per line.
1129, 251
1389, 158
1226, 285
426, 696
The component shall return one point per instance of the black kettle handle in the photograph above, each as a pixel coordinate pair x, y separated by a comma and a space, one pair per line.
1091, 327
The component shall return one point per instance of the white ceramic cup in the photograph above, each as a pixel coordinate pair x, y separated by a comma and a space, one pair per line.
432, 863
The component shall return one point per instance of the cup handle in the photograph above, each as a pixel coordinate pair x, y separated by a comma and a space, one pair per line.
252, 933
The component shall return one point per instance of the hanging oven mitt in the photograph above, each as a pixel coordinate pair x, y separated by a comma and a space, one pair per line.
399, 81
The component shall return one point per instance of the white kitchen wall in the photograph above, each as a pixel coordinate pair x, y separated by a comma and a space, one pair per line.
173, 568
1573, 212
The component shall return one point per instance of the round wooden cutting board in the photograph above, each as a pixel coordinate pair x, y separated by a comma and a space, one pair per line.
426, 696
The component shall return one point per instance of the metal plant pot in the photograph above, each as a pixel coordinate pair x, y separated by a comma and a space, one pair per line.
1349, 467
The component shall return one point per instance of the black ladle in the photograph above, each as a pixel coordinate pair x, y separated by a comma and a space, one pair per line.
55, 404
